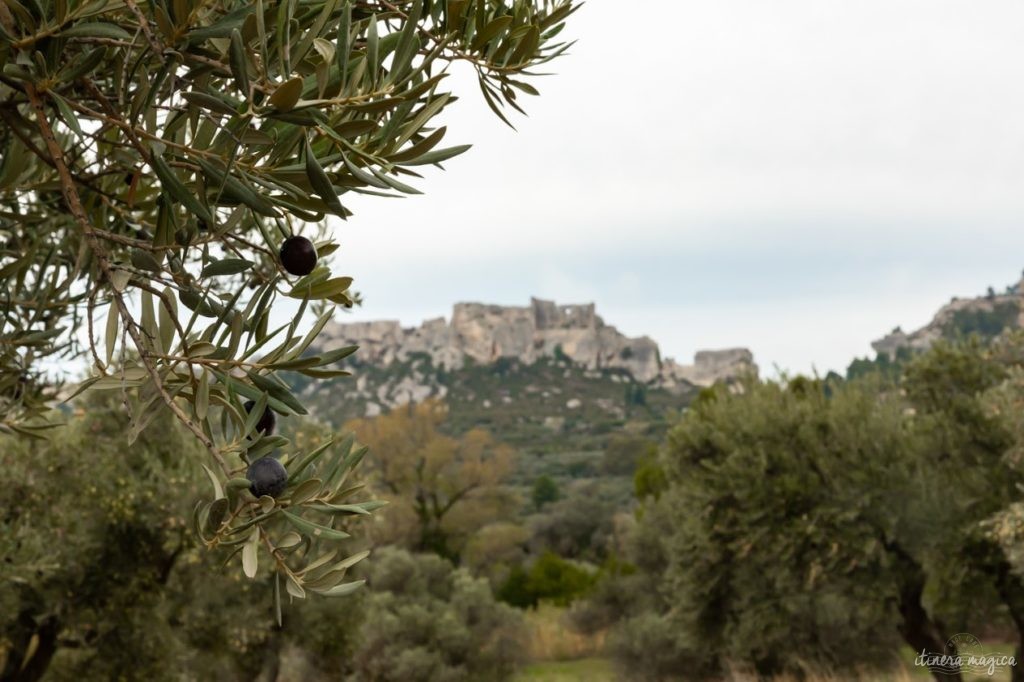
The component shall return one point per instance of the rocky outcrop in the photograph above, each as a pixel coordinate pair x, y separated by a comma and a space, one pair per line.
988, 313
710, 367
488, 333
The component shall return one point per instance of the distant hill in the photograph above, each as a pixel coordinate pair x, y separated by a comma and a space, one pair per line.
543, 377
986, 316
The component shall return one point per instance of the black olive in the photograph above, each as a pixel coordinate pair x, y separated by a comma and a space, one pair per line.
298, 256
268, 420
267, 476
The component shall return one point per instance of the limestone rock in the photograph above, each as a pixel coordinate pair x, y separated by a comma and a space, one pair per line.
923, 338
486, 333
710, 366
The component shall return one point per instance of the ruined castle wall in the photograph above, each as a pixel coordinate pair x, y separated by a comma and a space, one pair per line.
486, 333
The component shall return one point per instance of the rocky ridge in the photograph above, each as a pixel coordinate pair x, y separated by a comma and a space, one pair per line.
987, 315
486, 334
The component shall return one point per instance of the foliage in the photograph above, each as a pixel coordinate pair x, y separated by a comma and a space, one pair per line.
623, 453
494, 549
545, 490
427, 621
103, 575
883, 365
549, 578
442, 488
986, 322
808, 522
580, 525
153, 159
649, 478
635, 395
649, 646
1007, 525
773, 554
619, 590
968, 447
527, 403
111, 586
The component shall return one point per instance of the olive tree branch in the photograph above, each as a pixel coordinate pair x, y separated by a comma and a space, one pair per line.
70, 192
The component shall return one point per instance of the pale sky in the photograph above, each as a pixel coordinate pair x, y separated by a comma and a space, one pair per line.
795, 176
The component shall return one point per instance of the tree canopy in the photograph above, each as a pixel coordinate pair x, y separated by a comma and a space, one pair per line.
441, 488
805, 522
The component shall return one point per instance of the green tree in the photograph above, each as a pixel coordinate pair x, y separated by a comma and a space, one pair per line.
158, 163
581, 524
792, 530
549, 578
959, 393
545, 490
765, 469
494, 549
987, 322
649, 477
807, 513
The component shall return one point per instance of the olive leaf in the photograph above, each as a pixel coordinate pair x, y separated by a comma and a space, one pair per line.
321, 183
250, 553
177, 189
237, 59
227, 266
287, 95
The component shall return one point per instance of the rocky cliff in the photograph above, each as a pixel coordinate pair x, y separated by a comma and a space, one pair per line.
987, 316
485, 334
535, 374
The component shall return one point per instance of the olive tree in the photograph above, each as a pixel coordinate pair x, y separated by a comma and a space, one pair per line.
166, 172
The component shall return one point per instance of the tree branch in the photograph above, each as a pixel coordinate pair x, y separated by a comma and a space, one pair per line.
74, 203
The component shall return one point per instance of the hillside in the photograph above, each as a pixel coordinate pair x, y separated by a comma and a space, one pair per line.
542, 377
985, 316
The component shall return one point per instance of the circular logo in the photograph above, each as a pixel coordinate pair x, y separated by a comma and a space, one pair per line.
965, 644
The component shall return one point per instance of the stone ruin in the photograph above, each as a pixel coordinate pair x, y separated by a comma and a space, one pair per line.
487, 333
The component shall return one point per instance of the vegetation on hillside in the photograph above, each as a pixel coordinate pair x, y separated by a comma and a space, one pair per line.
528, 404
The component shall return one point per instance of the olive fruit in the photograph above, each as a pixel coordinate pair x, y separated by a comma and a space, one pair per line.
267, 476
267, 421
298, 256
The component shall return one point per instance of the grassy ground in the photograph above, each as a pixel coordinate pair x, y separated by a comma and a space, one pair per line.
585, 669
593, 668
602, 670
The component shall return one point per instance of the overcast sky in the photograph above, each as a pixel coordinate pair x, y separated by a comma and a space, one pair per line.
795, 176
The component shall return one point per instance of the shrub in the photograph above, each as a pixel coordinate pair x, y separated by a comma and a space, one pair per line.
550, 578
649, 646
428, 621
544, 490
580, 525
623, 453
